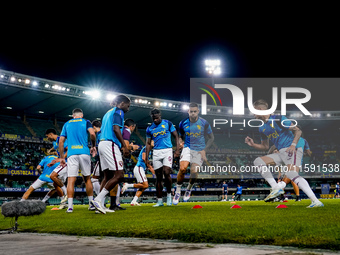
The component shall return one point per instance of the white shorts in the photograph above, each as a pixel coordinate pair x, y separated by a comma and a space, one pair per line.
96, 169
39, 183
110, 156
78, 162
282, 158
139, 173
162, 157
62, 172
194, 157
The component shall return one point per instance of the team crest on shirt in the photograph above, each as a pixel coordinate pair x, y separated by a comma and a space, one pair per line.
163, 126
199, 127
121, 163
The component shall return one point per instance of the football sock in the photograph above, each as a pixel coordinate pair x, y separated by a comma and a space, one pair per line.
70, 202
266, 174
129, 185
45, 198
190, 186
281, 185
90, 198
96, 186
113, 201
168, 195
101, 195
302, 184
178, 188
159, 200
63, 188
135, 199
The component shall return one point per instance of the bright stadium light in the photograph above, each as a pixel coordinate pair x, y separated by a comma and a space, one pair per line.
12, 79
110, 97
27, 81
157, 103
35, 83
212, 66
185, 107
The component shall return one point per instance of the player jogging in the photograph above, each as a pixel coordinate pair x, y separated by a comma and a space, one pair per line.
160, 131
194, 129
76, 132
286, 137
111, 141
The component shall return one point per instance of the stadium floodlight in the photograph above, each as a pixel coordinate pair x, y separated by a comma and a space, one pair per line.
156, 103
27, 81
35, 83
185, 107
212, 66
110, 97
47, 85
95, 94
12, 79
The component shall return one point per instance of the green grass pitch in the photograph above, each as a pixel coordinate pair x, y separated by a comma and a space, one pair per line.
256, 222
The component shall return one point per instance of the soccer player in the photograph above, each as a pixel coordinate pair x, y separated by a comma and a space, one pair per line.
139, 173
59, 174
160, 131
76, 132
194, 129
286, 137
238, 192
224, 191
111, 141
96, 124
129, 127
337, 190
44, 178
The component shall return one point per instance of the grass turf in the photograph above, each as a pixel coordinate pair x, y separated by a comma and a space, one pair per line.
256, 222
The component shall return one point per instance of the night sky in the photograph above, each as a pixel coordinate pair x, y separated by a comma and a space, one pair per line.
155, 51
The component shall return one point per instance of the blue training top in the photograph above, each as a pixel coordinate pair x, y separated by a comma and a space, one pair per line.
161, 134
112, 117
45, 176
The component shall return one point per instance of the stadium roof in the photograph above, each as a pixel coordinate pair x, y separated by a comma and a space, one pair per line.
36, 97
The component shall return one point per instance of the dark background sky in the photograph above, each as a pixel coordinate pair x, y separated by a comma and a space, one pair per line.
154, 50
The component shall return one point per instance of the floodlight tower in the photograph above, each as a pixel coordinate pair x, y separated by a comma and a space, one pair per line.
213, 67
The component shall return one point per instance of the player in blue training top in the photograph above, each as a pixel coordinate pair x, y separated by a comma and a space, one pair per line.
160, 132
111, 142
238, 193
76, 132
193, 131
139, 173
224, 191
44, 178
287, 139
59, 174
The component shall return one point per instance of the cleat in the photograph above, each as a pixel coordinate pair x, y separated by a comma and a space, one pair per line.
69, 210
316, 204
124, 188
135, 204
117, 208
186, 195
98, 205
274, 194
175, 201
97, 212
62, 206
92, 208
158, 204
168, 201
109, 210
64, 199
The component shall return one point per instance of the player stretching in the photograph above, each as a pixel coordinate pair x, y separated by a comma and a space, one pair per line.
286, 138
76, 132
44, 178
59, 174
139, 173
160, 131
111, 141
195, 129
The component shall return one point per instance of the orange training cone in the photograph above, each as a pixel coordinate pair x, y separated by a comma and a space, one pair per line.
197, 207
281, 206
235, 207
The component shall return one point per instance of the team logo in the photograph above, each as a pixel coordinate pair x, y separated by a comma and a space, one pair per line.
121, 163
170, 158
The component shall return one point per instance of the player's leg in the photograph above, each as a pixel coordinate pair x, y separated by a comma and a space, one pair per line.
262, 164
193, 177
143, 186
296, 191
95, 177
70, 192
114, 194
27, 193
167, 165
168, 183
293, 175
159, 186
85, 168
35, 185
72, 173
183, 165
